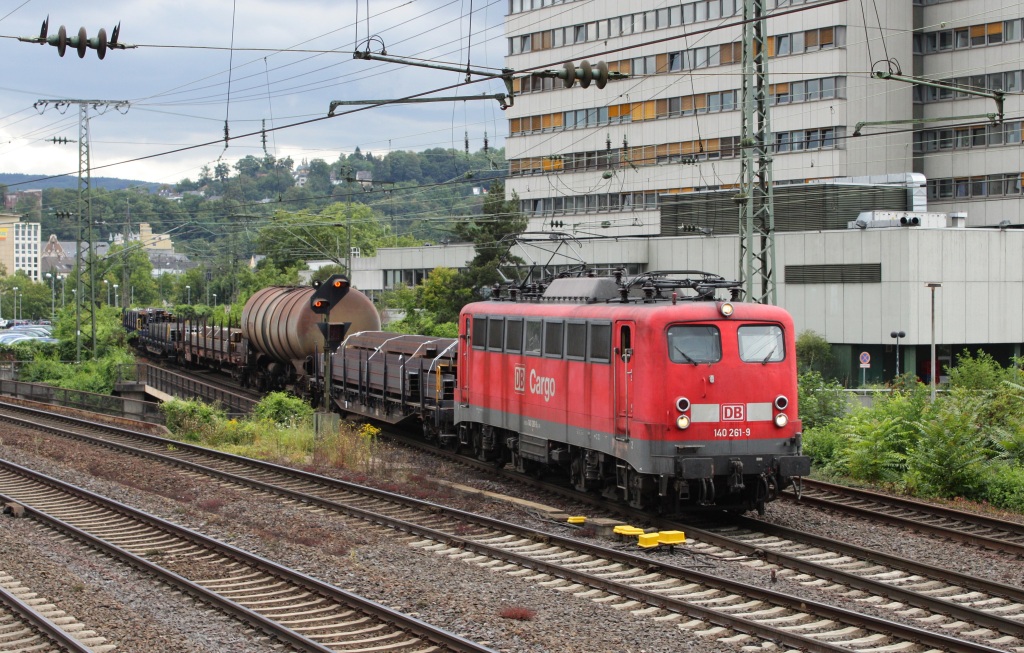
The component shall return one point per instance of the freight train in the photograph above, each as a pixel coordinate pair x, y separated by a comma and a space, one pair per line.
651, 390
276, 346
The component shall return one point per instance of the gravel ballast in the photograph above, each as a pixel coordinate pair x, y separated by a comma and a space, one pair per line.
379, 563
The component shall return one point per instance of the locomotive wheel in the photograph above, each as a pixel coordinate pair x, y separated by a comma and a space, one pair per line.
428, 434
634, 489
478, 445
577, 475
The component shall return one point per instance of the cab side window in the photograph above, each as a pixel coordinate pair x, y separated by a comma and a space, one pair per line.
513, 336
553, 339
576, 340
495, 333
534, 333
600, 343
479, 333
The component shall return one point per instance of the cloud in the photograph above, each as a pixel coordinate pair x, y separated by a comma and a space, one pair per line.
180, 94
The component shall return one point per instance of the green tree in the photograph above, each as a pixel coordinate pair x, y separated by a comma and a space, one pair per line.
326, 272
820, 402
249, 166
134, 260
293, 238
500, 219
318, 180
442, 295
813, 353
222, 171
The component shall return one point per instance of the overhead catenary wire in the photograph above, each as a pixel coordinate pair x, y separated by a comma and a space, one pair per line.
436, 90
271, 132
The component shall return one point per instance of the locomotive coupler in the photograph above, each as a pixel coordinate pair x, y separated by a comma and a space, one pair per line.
736, 476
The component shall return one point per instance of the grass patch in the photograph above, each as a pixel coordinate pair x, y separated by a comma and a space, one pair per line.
283, 437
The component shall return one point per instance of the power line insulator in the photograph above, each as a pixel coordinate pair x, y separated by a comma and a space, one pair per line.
79, 42
585, 74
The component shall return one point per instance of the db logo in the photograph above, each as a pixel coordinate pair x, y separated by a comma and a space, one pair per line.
732, 412
520, 379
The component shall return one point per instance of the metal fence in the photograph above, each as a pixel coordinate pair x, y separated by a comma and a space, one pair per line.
135, 409
186, 387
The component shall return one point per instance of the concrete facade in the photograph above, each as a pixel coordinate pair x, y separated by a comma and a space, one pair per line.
596, 163
577, 156
980, 303
19, 246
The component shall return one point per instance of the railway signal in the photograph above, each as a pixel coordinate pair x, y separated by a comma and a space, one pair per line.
328, 294
80, 41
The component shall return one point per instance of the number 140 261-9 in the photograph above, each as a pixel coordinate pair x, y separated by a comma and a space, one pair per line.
732, 433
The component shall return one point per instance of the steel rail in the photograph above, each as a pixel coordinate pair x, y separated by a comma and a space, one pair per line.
612, 587
26, 613
969, 520
419, 628
741, 625
893, 592
920, 600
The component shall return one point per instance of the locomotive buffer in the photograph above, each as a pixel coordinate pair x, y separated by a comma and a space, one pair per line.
324, 299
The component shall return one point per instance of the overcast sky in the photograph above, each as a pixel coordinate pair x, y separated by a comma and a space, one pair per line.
177, 81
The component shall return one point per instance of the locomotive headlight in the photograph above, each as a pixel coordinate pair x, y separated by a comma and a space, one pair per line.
781, 402
781, 420
682, 404
726, 309
683, 422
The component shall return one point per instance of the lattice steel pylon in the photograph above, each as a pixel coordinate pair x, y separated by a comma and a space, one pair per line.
756, 198
84, 210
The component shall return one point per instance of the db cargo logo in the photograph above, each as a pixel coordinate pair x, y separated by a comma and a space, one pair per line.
520, 379
732, 412
542, 385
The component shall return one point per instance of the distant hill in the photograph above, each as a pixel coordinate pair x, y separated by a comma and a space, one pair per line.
108, 183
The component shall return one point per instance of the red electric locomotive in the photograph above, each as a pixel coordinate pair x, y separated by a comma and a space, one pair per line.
649, 390
667, 403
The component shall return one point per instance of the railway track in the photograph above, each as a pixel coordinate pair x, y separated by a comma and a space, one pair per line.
28, 623
644, 585
302, 613
970, 528
821, 562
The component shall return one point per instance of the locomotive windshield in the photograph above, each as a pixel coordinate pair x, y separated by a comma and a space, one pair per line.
761, 343
694, 343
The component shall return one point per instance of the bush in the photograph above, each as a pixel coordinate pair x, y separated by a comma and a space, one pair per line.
191, 419
94, 375
1004, 486
877, 452
820, 401
950, 457
997, 389
283, 408
826, 446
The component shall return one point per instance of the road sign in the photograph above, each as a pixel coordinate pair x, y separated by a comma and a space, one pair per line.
865, 360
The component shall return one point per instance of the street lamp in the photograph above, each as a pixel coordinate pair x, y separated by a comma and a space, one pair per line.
53, 294
107, 284
15, 303
898, 335
117, 303
215, 300
63, 287
188, 291
934, 363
